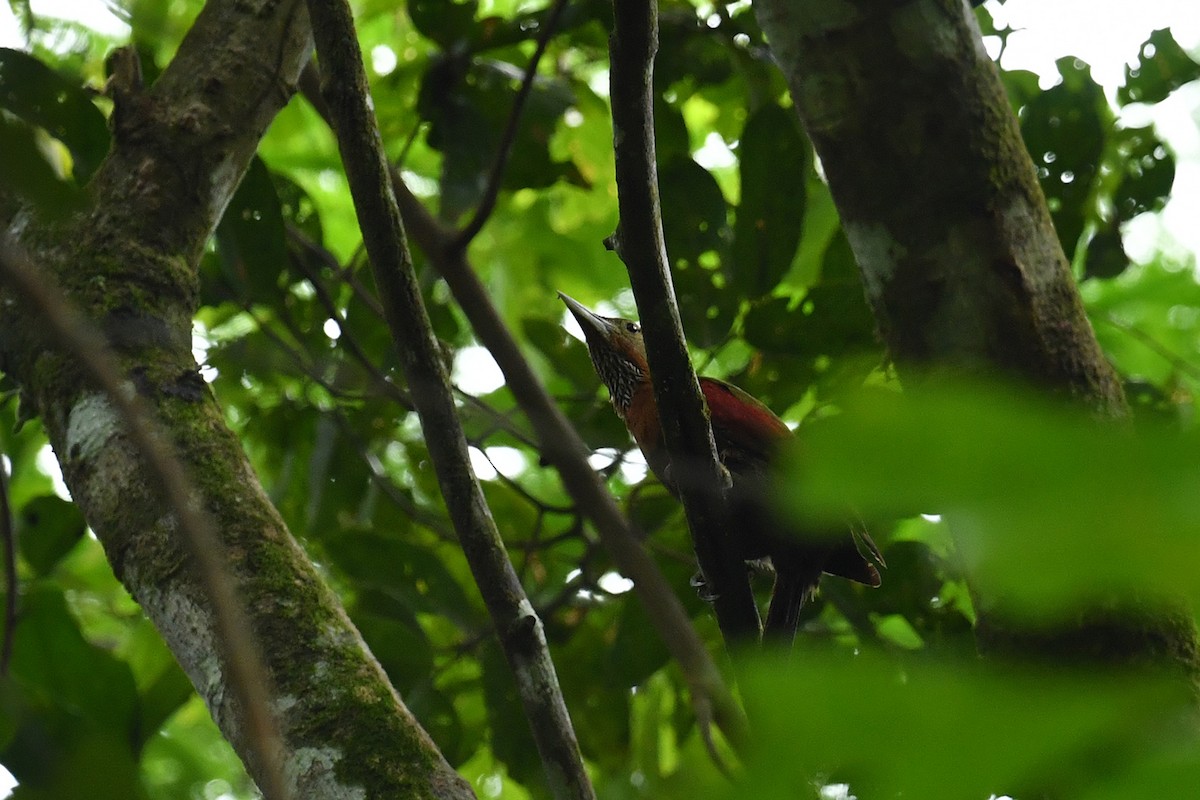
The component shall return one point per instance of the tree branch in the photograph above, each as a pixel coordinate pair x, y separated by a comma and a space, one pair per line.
563, 448
517, 624
488, 202
128, 261
696, 468
247, 673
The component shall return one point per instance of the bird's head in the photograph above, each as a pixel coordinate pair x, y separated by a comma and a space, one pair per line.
617, 352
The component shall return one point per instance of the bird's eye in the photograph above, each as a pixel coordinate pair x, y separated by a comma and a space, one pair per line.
632, 327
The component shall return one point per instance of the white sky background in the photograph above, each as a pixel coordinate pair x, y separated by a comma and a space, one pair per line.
1105, 35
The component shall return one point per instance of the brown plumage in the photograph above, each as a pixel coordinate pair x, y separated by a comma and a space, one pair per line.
748, 437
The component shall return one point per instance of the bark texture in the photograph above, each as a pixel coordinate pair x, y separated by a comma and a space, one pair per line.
940, 203
519, 628
129, 262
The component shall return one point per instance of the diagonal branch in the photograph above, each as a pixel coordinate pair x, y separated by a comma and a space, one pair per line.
563, 448
639, 242
517, 625
488, 202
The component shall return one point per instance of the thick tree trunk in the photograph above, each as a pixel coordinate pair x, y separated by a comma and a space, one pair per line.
129, 262
961, 264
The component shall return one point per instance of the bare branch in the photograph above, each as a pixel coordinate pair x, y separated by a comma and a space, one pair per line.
517, 625
488, 202
696, 468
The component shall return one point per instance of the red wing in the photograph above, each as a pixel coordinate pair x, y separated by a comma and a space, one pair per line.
746, 430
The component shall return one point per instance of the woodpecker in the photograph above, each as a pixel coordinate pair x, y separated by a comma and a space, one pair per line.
749, 437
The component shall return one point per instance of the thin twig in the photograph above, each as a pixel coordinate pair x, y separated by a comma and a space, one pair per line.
488, 202
520, 631
1152, 344
243, 659
8, 536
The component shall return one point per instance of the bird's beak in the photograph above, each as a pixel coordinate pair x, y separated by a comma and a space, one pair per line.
592, 324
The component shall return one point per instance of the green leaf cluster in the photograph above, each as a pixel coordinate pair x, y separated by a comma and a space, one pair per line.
1048, 510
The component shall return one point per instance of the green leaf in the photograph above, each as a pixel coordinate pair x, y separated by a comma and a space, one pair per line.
39, 95
1064, 129
511, 739
411, 574
569, 357
58, 667
391, 629
1106, 254
920, 728
27, 172
1162, 67
1050, 508
1147, 168
446, 23
636, 652
47, 528
694, 212
467, 103
773, 159
250, 238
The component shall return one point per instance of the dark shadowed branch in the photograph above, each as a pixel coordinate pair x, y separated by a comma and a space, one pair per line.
696, 469
517, 625
247, 673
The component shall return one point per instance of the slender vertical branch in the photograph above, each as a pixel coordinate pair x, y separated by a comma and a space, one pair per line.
517, 625
696, 469
247, 672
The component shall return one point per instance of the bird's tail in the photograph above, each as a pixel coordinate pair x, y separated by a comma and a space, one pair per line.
795, 585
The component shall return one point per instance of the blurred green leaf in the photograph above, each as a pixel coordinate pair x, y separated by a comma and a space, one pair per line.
920, 728
55, 664
694, 212
773, 160
250, 237
1162, 67
1106, 254
47, 528
40, 96
413, 575
1064, 128
447, 23
27, 171
395, 637
1101, 510
1147, 169
510, 738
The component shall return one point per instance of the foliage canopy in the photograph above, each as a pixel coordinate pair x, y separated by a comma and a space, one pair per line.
1047, 511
